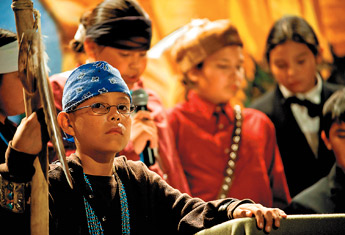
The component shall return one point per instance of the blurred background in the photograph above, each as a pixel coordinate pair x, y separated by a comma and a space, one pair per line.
60, 19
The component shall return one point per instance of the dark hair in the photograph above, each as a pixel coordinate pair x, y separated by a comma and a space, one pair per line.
292, 28
107, 10
333, 110
189, 84
6, 37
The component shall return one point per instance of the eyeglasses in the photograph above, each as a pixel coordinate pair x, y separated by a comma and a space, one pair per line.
103, 108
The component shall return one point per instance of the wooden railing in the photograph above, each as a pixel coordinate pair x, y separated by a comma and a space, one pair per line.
293, 224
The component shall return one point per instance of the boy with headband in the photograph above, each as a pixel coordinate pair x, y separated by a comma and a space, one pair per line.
119, 32
11, 104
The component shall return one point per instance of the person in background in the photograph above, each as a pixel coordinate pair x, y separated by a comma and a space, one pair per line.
103, 35
295, 105
327, 195
337, 72
11, 104
225, 151
112, 195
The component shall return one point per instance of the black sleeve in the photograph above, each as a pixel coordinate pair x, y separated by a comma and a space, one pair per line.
172, 209
296, 208
18, 166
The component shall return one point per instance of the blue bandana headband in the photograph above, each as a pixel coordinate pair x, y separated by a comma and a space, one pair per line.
90, 80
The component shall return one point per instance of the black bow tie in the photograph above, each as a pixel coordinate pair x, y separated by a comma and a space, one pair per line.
314, 110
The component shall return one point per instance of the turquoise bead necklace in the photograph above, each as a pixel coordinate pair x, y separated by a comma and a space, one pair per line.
3, 138
94, 225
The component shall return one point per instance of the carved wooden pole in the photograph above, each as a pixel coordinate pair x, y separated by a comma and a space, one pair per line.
39, 203
37, 93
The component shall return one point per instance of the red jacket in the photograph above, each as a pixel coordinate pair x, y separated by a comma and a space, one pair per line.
203, 146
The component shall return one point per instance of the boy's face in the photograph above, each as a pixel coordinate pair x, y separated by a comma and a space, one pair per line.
131, 64
11, 95
294, 66
221, 75
101, 133
336, 142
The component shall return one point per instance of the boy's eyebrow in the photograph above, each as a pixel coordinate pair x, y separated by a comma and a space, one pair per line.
240, 60
126, 98
340, 130
304, 53
282, 58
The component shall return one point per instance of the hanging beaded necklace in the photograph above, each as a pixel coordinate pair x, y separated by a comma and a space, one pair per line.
236, 138
94, 225
1, 135
3, 138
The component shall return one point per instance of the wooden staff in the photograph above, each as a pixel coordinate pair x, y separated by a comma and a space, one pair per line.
37, 93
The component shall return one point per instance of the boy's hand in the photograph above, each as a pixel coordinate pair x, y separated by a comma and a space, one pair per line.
263, 215
143, 129
27, 138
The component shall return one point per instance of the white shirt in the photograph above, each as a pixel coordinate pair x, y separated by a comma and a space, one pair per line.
308, 125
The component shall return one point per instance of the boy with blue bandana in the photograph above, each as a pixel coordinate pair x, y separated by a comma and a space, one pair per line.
103, 35
111, 194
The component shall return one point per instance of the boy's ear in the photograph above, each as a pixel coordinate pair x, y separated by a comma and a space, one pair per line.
326, 140
64, 121
91, 49
193, 74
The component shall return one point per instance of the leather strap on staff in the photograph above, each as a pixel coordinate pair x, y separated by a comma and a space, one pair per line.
236, 137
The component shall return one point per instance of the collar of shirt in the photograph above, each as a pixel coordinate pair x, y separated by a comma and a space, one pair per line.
308, 125
313, 95
206, 108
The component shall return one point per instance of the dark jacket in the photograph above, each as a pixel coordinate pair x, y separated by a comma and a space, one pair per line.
325, 196
7, 218
302, 168
154, 206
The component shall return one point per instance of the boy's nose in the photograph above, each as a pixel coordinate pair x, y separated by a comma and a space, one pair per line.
115, 118
134, 63
114, 114
291, 70
237, 77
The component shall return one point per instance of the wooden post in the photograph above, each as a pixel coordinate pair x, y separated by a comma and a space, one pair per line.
39, 220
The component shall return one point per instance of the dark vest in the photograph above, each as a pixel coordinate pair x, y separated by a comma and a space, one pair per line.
302, 167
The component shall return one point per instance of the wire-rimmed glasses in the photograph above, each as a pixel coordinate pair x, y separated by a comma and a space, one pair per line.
104, 108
